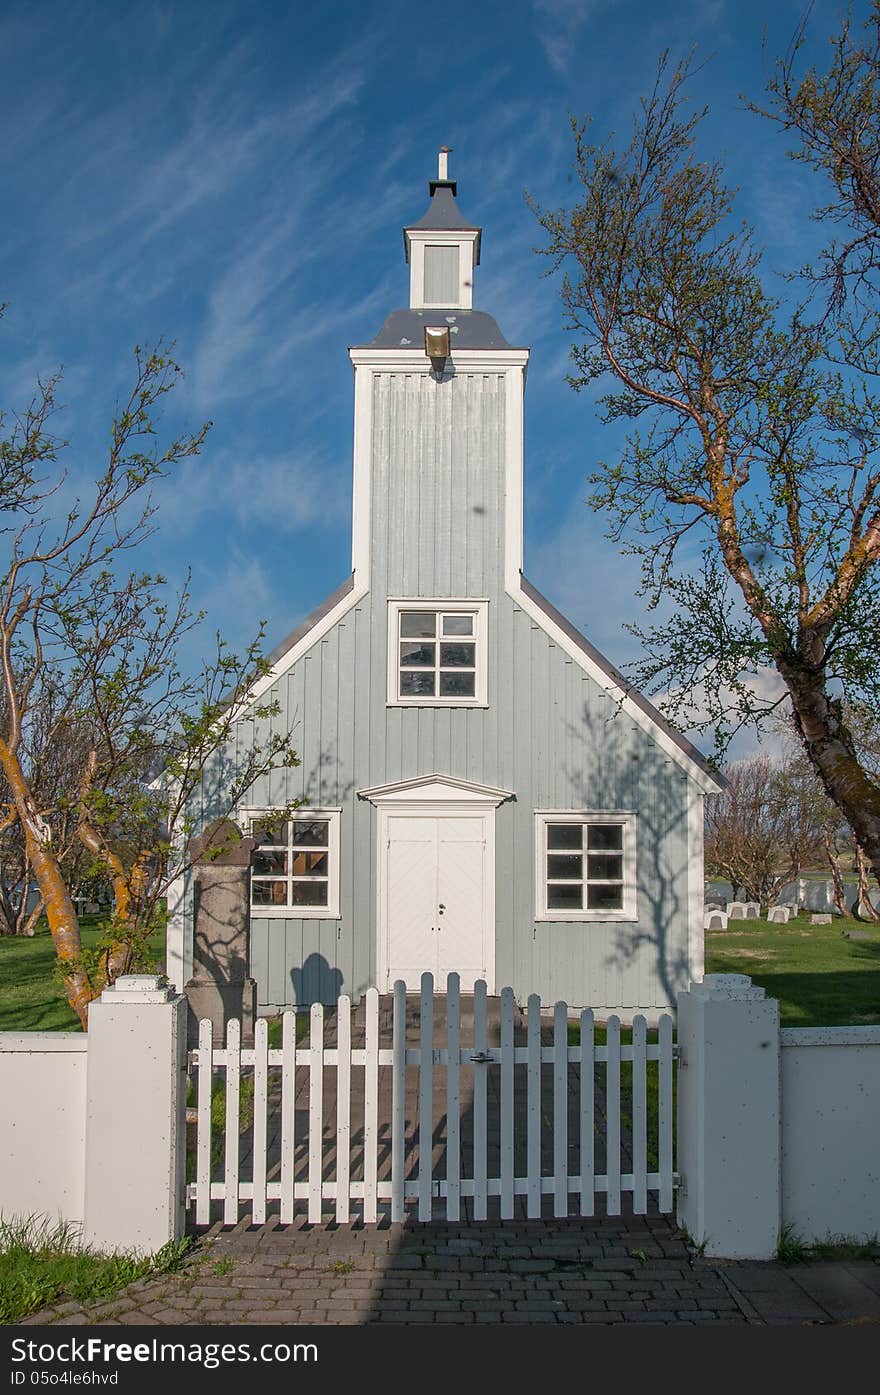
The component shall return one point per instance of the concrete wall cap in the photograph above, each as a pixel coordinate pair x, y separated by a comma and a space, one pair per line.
727, 988
139, 988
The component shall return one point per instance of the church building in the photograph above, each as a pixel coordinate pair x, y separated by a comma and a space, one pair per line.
481, 791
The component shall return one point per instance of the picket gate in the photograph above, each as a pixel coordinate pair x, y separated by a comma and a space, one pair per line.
549, 1121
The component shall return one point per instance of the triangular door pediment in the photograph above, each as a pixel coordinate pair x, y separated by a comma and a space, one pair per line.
435, 789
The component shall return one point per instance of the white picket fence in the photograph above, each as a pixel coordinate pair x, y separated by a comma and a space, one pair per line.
544, 1108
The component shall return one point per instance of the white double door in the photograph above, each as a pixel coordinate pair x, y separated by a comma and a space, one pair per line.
438, 898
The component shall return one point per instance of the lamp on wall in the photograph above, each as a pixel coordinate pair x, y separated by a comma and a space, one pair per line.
437, 346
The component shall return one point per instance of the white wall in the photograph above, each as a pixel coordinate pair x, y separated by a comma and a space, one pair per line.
42, 1142
831, 1131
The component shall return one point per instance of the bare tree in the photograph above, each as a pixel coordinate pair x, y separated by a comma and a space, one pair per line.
762, 447
765, 827
106, 644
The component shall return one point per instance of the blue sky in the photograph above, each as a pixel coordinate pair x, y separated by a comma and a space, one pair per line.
235, 177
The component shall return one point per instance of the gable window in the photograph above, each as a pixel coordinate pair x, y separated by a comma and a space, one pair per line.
585, 866
295, 864
437, 653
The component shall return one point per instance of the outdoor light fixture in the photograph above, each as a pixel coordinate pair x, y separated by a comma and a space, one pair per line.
437, 346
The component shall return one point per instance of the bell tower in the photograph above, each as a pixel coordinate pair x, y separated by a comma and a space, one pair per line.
442, 249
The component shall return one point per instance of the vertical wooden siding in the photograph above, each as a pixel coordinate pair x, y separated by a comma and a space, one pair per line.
549, 732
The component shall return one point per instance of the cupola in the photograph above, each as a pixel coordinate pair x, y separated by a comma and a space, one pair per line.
442, 249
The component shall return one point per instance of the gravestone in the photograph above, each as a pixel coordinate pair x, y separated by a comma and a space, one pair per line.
778, 915
221, 987
857, 935
820, 919
737, 910
753, 910
715, 920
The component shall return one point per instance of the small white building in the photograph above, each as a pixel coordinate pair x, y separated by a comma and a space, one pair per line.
482, 791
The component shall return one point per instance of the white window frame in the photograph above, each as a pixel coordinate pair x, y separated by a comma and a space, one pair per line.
301, 815
446, 606
621, 818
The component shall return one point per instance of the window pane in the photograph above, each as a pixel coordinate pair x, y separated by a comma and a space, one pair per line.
418, 624
269, 831
565, 866
414, 683
310, 864
269, 863
420, 655
458, 624
564, 897
457, 655
312, 833
308, 893
268, 893
441, 276
604, 898
457, 684
565, 835
608, 866
605, 835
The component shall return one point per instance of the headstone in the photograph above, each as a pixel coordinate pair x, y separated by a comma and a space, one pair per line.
778, 915
753, 910
715, 920
857, 935
221, 987
713, 906
820, 919
737, 910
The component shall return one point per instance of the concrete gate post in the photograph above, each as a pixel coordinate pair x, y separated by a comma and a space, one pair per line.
729, 1117
135, 1116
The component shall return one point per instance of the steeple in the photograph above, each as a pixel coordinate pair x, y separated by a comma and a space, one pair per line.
442, 248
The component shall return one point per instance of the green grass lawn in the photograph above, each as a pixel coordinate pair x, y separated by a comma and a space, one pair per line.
31, 996
820, 978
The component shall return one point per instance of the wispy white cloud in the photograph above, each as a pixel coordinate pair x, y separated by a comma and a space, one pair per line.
560, 28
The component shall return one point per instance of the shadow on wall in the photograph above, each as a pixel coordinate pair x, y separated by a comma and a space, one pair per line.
627, 772
316, 981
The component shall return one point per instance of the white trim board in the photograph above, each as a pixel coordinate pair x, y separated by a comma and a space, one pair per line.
438, 789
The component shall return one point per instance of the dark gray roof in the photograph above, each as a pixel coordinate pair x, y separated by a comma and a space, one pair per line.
311, 620
470, 329
616, 677
443, 212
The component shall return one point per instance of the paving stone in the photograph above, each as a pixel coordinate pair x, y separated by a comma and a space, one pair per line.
837, 1290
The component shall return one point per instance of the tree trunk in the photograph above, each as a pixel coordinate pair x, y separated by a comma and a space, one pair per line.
833, 854
831, 751
60, 912
863, 907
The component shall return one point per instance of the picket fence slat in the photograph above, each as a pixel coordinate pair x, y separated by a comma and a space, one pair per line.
232, 1128
587, 1103
481, 1081
371, 1105
612, 1115
343, 1107
507, 1120
203, 1125
288, 1115
398, 1101
560, 1109
664, 1114
261, 1116
316, 1111
529, 1110
453, 1098
426, 1096
533, 1106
